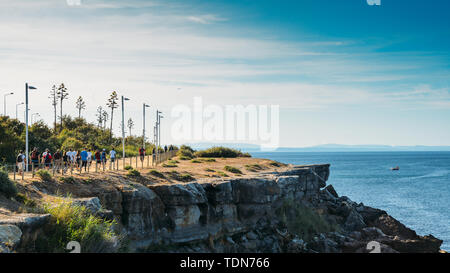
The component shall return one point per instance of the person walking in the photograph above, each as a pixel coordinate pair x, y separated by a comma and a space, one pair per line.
34, 155
165, 148
104, 159
142, 153
47, 158
66, 160
112, 156
20, 162
57, 160
84, 159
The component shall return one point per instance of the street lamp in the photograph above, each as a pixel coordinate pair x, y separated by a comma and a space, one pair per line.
32, 115
17, 105
143, 130
26, 122
123, 128
4, 102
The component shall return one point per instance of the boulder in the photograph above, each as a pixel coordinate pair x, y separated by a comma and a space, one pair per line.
10, 236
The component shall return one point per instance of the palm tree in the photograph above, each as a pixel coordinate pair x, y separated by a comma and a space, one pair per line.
112, 103
130, 125
99, 116
62, 95
105, 118
54, 97
81, 105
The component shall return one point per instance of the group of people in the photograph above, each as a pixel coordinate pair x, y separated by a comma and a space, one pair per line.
72, 158
62, 160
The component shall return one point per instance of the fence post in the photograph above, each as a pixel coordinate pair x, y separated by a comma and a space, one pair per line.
15, 171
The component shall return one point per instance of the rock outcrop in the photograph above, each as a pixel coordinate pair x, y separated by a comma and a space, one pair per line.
242, 214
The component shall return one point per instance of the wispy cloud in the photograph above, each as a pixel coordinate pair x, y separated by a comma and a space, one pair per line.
206, 19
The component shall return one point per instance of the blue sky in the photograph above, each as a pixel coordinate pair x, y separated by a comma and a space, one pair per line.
341, 71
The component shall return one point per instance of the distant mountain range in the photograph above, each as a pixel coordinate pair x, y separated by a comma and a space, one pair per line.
325, 148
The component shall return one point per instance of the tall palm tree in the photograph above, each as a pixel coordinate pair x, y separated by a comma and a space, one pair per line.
112, 103
54, 97
62, 95
81, 105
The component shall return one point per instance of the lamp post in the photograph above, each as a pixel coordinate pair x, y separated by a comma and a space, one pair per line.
123, 128
17, 105
143, 130
4, 102
26, 122
32, 115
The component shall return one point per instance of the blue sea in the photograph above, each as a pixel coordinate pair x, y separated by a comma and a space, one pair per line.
418, 195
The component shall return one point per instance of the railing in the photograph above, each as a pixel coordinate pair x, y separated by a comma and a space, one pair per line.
58, 167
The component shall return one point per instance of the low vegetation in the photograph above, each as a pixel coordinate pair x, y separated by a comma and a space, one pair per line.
302, 221
185, 152
7, 187
222, 174
195, 161
169, 165
76, 223
44, 175
67, 179
185, 177
128, 167
253, 167
221, 152
156, 173
232, 169
133, 173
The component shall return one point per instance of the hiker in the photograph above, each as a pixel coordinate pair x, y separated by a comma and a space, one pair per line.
142, 153
78, 159
89, 158
165, 148
98, 157
84, 159
104, 159
47, 158
112, 155
57, 159
34, 157
65, 159
20, 161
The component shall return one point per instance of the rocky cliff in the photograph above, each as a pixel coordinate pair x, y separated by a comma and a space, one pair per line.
288, 211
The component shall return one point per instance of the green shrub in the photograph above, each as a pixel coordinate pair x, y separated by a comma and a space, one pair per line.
168, 165
302, 221
173, 161
181, 177
67, 179
208, 159
128, 167
7, 187
133, 173
75, 223
222, 174
221, 152
22, 198
210, 170
195, 161
44, 175
275, 164
156, 173
185, 152
253, 167
232, 169
184, 157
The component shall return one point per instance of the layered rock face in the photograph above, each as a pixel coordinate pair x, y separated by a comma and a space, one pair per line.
242, 214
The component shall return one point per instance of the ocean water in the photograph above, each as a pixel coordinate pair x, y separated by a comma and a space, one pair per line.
418, 195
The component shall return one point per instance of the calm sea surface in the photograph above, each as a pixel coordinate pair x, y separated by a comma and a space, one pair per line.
418, 195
